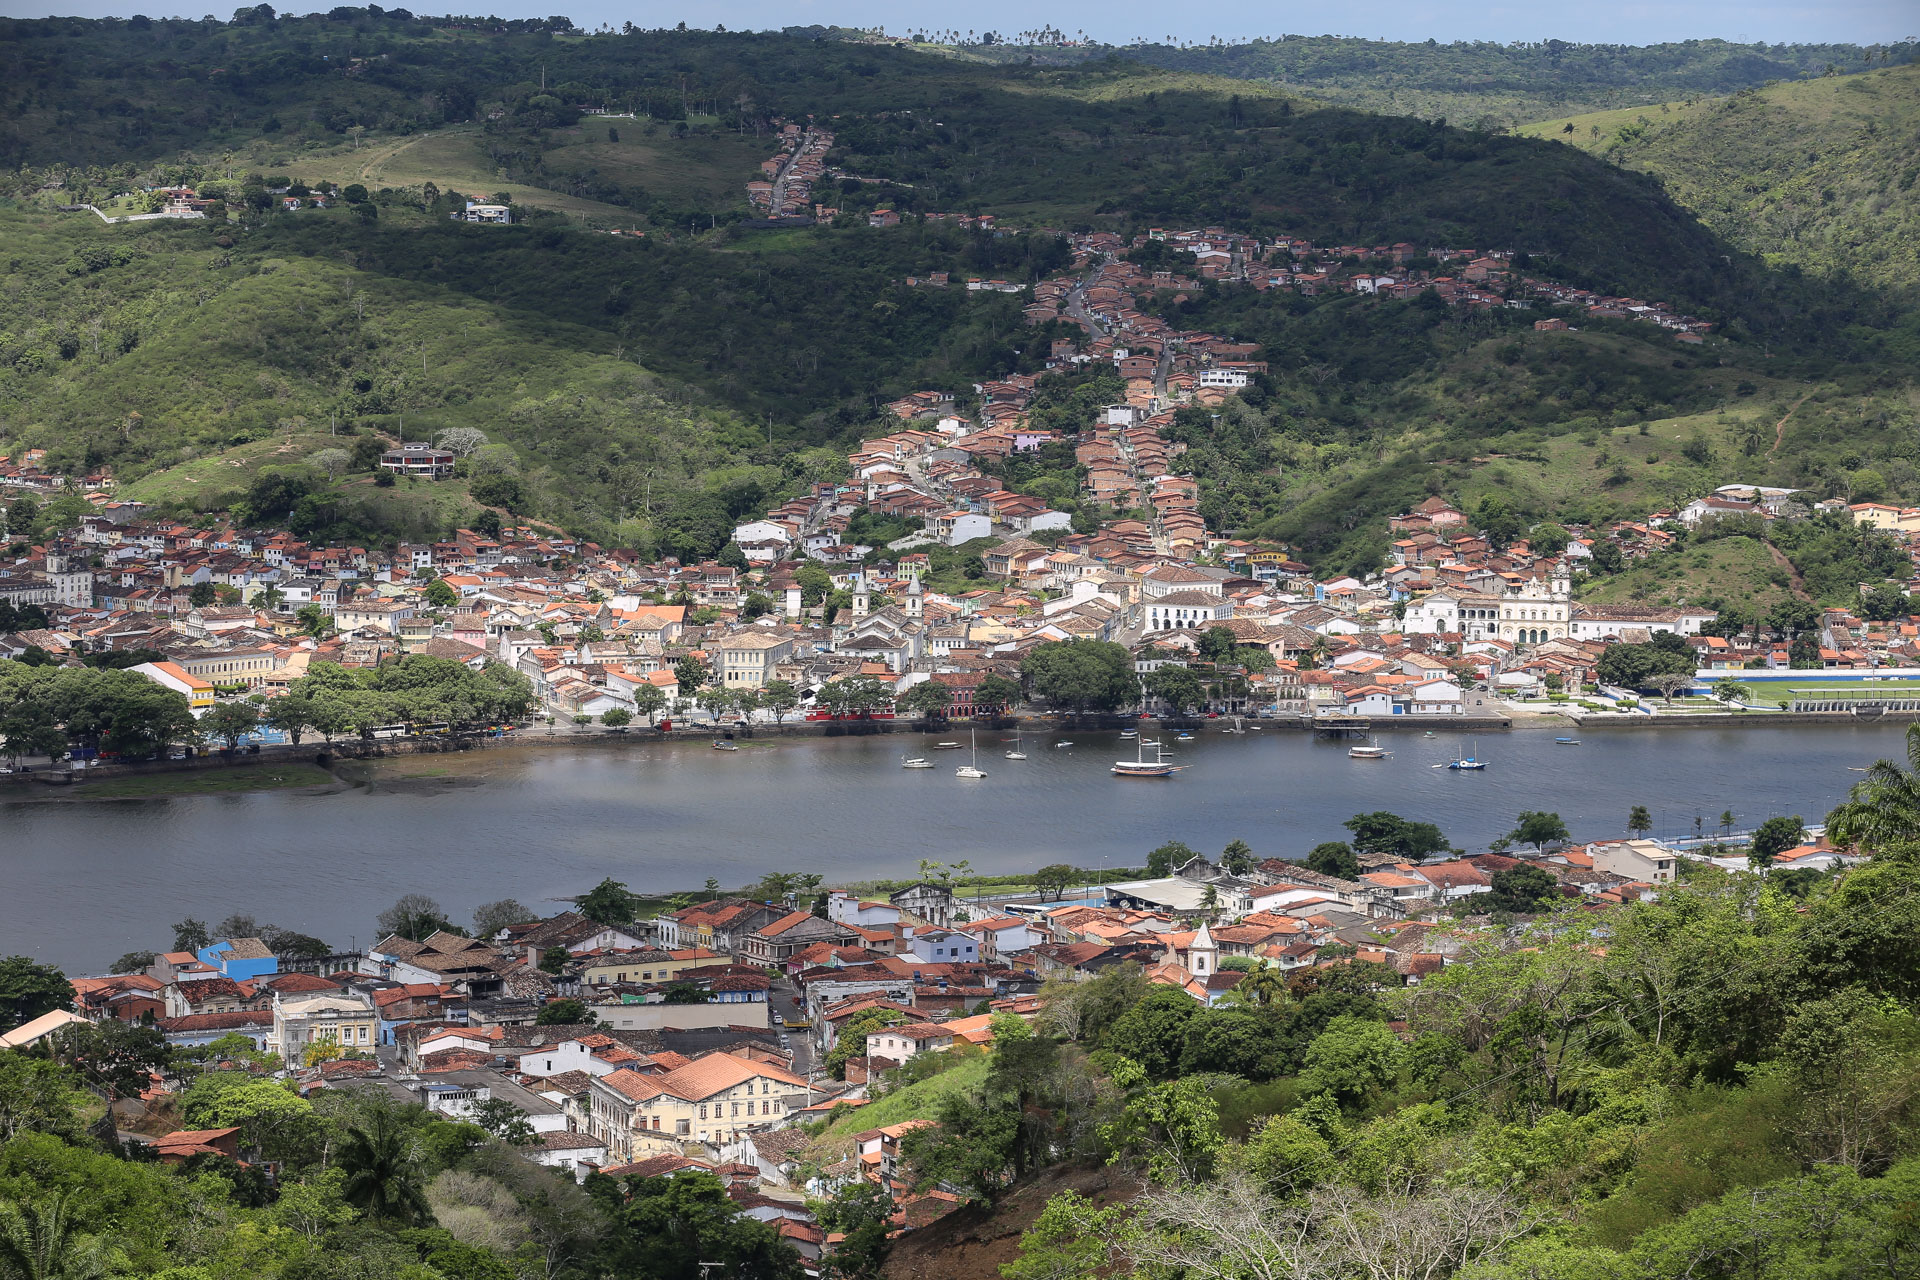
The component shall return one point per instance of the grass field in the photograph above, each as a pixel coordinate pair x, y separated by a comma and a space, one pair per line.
1727, 568
915, 1102
452, 159
209, 781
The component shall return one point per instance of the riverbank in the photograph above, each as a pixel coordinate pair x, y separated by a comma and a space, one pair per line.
283, 775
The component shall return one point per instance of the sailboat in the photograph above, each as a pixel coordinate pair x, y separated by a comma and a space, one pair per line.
971, 770
1466, 763
1016, 753
1141, 767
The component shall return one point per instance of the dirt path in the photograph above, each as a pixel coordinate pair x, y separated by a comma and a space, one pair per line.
1795, 583
1780, 427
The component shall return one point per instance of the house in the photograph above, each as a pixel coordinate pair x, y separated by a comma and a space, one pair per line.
715, 1098
1645, 860
240, 958
419, 460
776, 942
899, 1043
170, 675
928, 903
498, 215
939, 946
345, 1019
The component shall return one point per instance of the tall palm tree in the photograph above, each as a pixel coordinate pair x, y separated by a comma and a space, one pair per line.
382, 1180
1883, 809
37, 1242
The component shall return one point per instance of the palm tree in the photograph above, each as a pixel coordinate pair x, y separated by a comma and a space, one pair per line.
1263, 986
37, 1242
1884, 807
382, 1180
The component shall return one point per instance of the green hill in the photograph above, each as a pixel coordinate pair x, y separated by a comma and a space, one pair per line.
1818, 175
1491, 84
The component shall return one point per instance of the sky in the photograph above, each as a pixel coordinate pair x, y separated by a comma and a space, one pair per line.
1117, 21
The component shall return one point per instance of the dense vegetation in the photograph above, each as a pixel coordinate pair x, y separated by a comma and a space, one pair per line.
1819, 175
1481, 81
364, 1186
1688, 1086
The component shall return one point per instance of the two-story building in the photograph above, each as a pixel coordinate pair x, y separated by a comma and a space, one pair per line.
714, 1099
345, 1019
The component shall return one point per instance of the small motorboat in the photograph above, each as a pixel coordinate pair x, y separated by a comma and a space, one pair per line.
1428, 734
1566, 742
916, 762
1183, 737
1063, 744
1129, 733
721, 744
1368, 752
946, 746
1149, 742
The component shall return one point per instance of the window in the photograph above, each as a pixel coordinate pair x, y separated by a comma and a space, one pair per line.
656, 1124
703, 1111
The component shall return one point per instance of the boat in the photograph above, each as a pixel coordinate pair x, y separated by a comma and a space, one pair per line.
1368, 751
1063, 744
1567, 742
971, 770
946, 746
1141, 767
916, 762
1149, 742
1129, 733
1016, 753
1469, 764
721, 744
1429, 733
1183, 737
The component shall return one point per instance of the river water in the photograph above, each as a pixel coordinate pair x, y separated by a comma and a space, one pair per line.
82, 882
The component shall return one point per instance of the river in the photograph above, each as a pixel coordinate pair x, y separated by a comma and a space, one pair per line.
82, 882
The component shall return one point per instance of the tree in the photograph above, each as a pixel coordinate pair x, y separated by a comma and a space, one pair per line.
1173, 853
1087, 675
274, 1122
1728, 689
1634, 666
1669, 683
504, 1121
1639, 821
313, 621
779, 697
555, 959
995, 693
1218, 644
134, 962
1053, 880
1382, 832
414, 917
1237, 858
463, 442
202, 595
441, 596
291, 714
667, 1227
1154, 1031
649, 700
190, 935
691, 673
852, 1040
1774, 837
1882, 811
609, 902
489, 918
1176, 686
38, 1241
28, 990
1521, 890
1334, 858
332, 461
929, 699
1539, 829
1351, 1058
231, 721
382, 1179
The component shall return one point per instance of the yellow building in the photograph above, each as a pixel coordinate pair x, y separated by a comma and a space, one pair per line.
170, 675
299, 1021
713, 1099
648, 966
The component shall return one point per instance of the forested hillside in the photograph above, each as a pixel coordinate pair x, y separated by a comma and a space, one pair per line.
1819, 175
1479, 81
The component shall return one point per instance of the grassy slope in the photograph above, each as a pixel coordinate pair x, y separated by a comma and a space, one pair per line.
915, 1102
1729, 569
453, 159
1818, 173
239, 358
